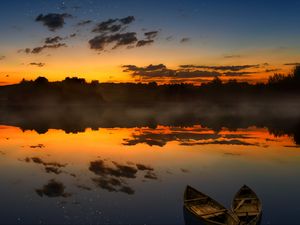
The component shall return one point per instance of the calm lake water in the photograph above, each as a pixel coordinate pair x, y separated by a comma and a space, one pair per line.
138, 175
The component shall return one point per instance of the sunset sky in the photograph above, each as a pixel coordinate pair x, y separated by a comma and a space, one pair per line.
140, 40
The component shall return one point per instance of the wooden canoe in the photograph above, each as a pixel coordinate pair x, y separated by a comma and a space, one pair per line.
247, 206
206, 209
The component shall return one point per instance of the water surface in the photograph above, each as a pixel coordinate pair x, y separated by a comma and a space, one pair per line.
138, 175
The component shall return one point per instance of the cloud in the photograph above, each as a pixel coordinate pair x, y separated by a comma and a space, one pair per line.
189, 73
53, 189
112, 176
272, 70
113, 25
231, 154
38, 65
26, 50
112, 31
53, 40
190, 80
161, 70
40, 161
107, 26
54, 170
109, 184
187, 137
220, 142
144, 167
53, 21
151, 34
99, 168
38, 145
149, 38
221, 68
151, 138
291, 64
39, 49
119, 39
196, 73
50, 167
127, 20
238, 74
113, 185
235, 136
265, 64
127, 190
84, 22
150, 71
151, 175
169, 38
185, 40
2, 57
232, 56
144, 42
184, 170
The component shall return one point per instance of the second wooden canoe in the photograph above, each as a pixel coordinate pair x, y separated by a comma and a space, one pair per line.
247, 206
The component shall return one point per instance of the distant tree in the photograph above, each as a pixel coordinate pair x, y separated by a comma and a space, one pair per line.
95, 82
216, 82
232, 81
74, 80
152, 84
276, 78
296, 73
41, 80
24, 81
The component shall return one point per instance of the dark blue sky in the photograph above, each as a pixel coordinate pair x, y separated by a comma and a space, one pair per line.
241, 20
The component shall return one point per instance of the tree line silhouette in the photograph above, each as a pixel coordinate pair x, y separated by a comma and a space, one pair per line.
76, 91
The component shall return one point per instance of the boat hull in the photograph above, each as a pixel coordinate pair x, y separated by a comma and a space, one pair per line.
206, 210
247, 206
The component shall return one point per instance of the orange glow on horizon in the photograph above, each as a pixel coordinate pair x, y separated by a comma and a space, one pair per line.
107, 67
115, 75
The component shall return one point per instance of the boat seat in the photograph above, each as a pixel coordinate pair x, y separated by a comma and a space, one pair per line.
253, 213
216, 213
196, 199
240, 204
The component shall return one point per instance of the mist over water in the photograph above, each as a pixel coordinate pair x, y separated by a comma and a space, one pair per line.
279, 118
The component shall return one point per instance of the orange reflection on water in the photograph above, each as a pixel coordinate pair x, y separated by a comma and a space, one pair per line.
123, 159
139, 143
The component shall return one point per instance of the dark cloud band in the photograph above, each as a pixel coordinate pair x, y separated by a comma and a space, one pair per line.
221, 68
